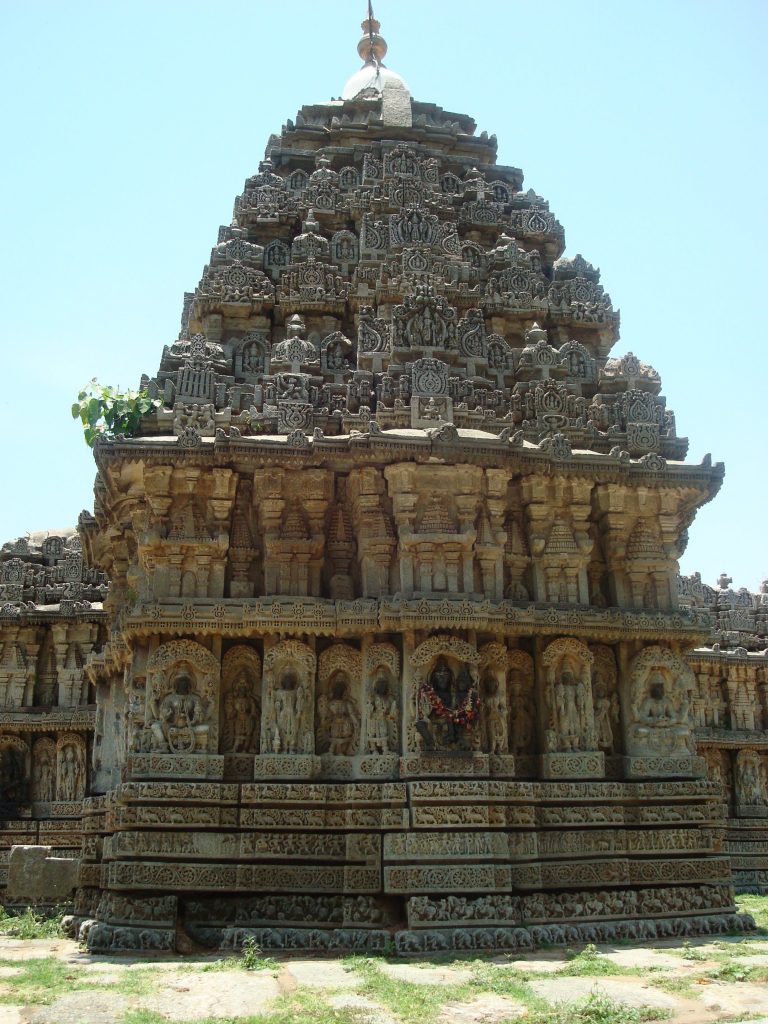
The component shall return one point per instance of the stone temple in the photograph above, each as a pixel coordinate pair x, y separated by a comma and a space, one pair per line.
376, 635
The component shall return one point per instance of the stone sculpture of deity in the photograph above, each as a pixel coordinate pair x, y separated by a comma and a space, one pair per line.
179, 723
448, 708
288, 729
241, 718
338, 719
71, 774
382, 718
570, 712
750, 779
606, 717
494, 716
44, 770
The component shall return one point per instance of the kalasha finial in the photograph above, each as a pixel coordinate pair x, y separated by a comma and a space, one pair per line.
372, 47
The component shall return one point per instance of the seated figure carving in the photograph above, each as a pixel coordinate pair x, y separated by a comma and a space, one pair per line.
661, 717
180, 723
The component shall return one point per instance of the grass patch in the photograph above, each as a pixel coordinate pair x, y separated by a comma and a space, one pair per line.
505, 981
31, 925
43, 980
589, 963
757, 906
689, 952
732, 970
413, 1004
597, 1008
138, 981
685, 987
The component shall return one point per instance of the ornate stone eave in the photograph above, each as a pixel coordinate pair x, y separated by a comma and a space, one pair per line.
732, 739
44, 720
292, 616
22, 614
416, 445
708, 654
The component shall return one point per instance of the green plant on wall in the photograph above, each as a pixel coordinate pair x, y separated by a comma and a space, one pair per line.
107, 412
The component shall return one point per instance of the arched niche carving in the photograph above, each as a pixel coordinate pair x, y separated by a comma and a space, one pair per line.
445, 696
662, 686
381, 727
570, 724
719, 771
493, 699
241, 701
521, 703
337, 715
605, 699
70, 767
751, 780
182, 686
14, 769
288, 696
43, 782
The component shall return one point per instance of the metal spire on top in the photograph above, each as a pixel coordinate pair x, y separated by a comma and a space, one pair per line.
372, 48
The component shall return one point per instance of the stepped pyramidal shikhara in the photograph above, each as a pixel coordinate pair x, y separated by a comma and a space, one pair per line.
395, 648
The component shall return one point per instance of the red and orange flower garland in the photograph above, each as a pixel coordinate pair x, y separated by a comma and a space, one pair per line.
463, 715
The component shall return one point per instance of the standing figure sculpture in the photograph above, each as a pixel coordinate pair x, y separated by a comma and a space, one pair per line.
71, 774
495, 719
339, 719
382, 718
287, 734
241, 715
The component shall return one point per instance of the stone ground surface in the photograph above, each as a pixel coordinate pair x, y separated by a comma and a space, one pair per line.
701, 982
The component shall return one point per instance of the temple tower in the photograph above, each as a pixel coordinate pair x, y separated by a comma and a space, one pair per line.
396, 646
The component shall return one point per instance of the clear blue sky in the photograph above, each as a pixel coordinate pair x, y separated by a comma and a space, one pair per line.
129, 127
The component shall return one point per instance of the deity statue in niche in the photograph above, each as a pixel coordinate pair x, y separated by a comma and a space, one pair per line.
494, 717
382, 719
448, 706
179, 723
241, 718
570, 710
662, 685
71, 773
570, 725
606, 717
338, 719
750, 779
44, 771
520, 718
289, 701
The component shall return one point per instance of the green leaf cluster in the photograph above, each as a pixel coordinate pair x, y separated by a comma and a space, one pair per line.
106, 412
